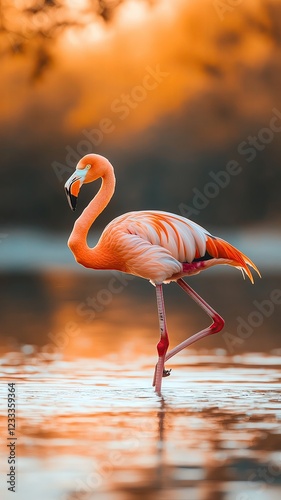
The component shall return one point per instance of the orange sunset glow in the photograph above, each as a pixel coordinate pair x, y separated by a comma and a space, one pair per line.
141, 76
98, 64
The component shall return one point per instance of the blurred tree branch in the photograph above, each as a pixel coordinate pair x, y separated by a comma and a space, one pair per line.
30, 25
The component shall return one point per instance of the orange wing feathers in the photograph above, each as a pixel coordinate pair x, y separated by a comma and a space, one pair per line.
220, 249
155, 244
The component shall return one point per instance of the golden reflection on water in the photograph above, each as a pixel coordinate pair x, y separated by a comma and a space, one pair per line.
83, 315
89, 424
96, 430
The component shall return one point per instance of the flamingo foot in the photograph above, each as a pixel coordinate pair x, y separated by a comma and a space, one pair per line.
160, 372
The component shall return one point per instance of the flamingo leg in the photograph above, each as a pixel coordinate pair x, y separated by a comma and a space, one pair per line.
216, 326
163, 343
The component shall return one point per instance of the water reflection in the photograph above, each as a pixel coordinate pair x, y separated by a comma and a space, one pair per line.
104, 434
89, 425
95, 314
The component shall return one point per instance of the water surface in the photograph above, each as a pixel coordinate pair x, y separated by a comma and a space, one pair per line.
81, 350
97, 430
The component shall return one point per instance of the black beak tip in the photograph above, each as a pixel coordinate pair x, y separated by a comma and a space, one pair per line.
72, 200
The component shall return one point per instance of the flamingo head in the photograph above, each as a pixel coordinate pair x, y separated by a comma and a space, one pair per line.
90, 168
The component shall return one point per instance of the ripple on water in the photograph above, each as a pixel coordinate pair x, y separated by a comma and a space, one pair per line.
94, 429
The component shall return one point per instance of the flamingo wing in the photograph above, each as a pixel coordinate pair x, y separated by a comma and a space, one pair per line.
161, 246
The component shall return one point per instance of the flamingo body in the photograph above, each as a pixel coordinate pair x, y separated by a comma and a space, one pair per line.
163, 247
159, 246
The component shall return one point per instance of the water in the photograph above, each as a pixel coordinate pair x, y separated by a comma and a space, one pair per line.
89, 425
95, 429
95, 313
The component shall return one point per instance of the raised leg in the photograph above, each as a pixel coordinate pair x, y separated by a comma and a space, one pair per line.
216, 326
163, 343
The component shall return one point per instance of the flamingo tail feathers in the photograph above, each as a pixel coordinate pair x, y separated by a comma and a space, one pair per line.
222, 250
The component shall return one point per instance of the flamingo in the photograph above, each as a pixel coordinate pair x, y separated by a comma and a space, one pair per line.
155, 245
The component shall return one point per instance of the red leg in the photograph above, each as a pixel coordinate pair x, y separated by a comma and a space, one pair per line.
163, 343
216, 326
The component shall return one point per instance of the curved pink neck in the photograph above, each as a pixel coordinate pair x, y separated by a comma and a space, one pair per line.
90, 257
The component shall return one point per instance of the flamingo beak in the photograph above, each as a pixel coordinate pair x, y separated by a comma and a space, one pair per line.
72, 187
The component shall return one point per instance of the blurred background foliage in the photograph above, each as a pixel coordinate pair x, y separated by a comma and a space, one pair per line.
63, 66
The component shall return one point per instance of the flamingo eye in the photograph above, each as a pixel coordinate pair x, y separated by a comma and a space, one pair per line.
88, 167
